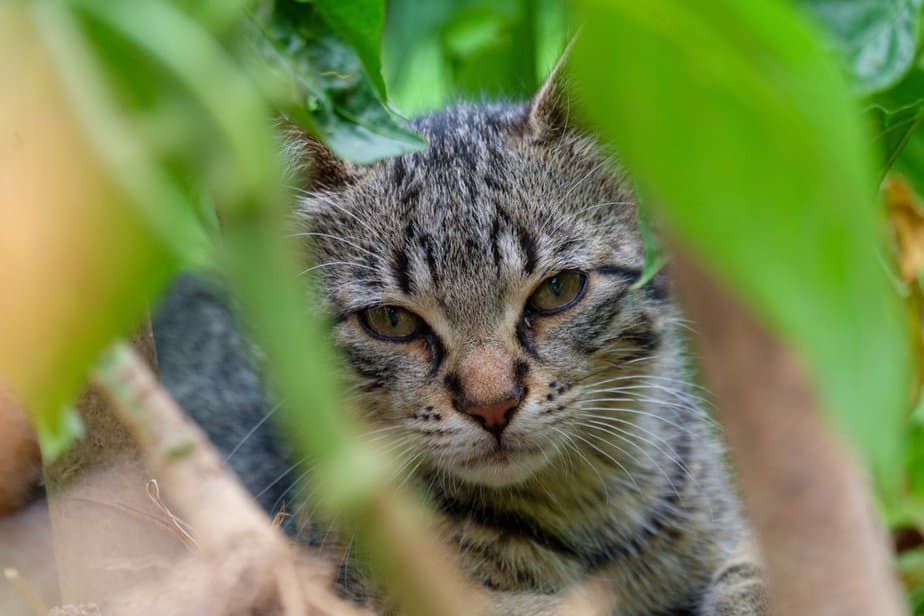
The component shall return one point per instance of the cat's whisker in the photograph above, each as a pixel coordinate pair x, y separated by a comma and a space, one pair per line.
618, 433
608, 456
580, 183
658, 442
680, 401
251, 432
410, 473
337, 238
633, 386
328, 202
681, 383
280, 477
617, 395
332, 263
596, 206
590, 465
638, 412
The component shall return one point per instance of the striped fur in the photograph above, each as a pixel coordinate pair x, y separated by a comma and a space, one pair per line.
611, 470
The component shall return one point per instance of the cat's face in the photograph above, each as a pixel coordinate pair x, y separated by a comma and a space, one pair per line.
483, 288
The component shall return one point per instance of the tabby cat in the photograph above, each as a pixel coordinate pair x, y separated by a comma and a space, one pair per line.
484, 292
484, 296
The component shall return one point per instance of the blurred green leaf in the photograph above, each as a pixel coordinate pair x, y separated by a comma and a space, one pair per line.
436, 50
879, 38
491, 48
56, 431
359, 23
655, 258
324, 87
911, 569
764, 172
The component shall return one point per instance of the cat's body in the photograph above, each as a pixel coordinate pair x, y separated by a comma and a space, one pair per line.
483, 294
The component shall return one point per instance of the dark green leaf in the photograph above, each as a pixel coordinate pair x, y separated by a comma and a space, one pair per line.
878, 37
897, 115
359, 23
322, 85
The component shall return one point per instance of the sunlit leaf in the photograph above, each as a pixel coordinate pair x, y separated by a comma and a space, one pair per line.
742, 130
79, 262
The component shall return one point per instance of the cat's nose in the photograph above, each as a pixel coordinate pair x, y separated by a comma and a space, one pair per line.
493, 417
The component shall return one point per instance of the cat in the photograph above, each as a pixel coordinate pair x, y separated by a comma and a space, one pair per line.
483, 294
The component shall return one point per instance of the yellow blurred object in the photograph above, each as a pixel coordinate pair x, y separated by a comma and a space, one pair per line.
907, 216
71, 251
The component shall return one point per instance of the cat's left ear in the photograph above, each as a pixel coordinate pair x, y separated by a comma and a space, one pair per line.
550, 109
313, 164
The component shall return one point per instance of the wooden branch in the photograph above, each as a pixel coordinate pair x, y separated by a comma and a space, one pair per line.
806, 496
243, 564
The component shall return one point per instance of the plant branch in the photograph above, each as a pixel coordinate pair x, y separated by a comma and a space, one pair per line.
807, 499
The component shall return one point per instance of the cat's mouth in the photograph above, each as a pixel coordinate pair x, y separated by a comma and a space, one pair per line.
502, 464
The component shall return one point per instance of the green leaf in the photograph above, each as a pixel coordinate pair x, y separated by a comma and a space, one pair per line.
897, 114
435, 50
910, 161
359, 23
57, 431
491, 49
655, 258
879, 38
744, 133
320, 83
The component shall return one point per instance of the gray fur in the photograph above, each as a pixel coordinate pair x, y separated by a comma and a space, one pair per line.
615, 470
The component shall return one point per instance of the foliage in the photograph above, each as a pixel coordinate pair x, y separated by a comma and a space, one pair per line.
323, 83
766, 172
194, 136
439, 50
769, 135
748, 142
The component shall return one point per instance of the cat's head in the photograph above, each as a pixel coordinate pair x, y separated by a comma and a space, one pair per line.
483, 288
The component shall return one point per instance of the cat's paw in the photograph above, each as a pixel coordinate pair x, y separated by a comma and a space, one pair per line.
737, 590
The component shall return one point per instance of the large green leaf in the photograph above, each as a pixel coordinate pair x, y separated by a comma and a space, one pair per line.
743, 131
878, 37
359, 23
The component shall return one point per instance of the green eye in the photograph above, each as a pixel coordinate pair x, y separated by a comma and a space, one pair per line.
558, 292
391, 322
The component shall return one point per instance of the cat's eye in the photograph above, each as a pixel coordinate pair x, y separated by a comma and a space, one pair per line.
391, 322
558, 292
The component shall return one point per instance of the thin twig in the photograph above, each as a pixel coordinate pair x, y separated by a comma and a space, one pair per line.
14, 578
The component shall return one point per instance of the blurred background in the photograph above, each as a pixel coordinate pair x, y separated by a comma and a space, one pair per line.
140, 140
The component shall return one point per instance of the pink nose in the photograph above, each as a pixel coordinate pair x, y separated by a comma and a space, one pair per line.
494, 417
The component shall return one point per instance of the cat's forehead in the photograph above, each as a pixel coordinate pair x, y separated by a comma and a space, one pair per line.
480, 212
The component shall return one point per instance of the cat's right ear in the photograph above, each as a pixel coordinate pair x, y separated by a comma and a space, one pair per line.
313, 165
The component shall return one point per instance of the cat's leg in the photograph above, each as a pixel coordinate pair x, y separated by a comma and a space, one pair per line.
738, 587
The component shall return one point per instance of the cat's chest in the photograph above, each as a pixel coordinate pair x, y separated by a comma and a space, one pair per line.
534, 550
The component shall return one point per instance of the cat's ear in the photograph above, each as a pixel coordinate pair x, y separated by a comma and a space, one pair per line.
313, 164
550, 109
